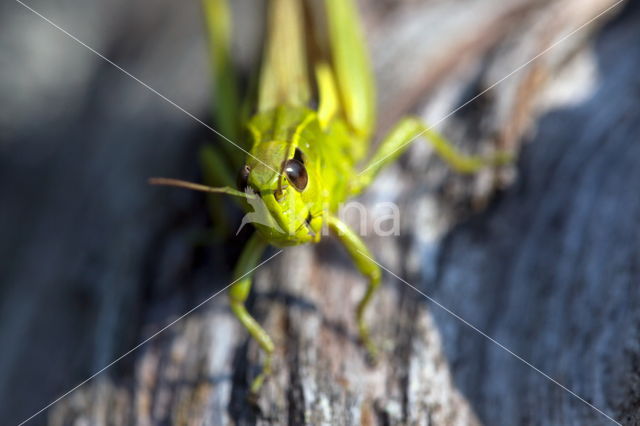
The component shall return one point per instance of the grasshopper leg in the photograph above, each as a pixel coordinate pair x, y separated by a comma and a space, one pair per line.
362, 258
218, 21
238, 294
216, 173
397, 141
352, 65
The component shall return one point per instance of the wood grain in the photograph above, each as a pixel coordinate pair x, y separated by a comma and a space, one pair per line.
542, 256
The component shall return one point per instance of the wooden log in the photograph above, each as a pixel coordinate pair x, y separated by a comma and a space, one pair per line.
547, 267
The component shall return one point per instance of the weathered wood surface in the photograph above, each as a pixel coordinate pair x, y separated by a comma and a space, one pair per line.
93, 261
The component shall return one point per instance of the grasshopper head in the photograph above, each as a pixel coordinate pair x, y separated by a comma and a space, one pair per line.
288, 208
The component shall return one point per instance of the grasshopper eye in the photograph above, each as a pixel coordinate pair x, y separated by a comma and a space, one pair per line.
296, 173
299, 156
243, 177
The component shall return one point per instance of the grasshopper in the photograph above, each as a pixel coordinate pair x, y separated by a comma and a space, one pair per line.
306, 140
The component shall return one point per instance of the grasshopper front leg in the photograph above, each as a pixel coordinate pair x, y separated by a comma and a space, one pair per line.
362, 258
238, 294
398, 140
216, 173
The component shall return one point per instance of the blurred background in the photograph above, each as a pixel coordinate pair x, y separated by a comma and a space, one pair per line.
543, 256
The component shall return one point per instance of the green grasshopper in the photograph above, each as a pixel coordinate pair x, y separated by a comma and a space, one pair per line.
302, 162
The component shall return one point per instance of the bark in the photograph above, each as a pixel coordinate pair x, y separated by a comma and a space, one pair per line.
541, 256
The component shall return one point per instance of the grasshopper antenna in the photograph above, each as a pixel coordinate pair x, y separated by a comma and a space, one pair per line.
197, 187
